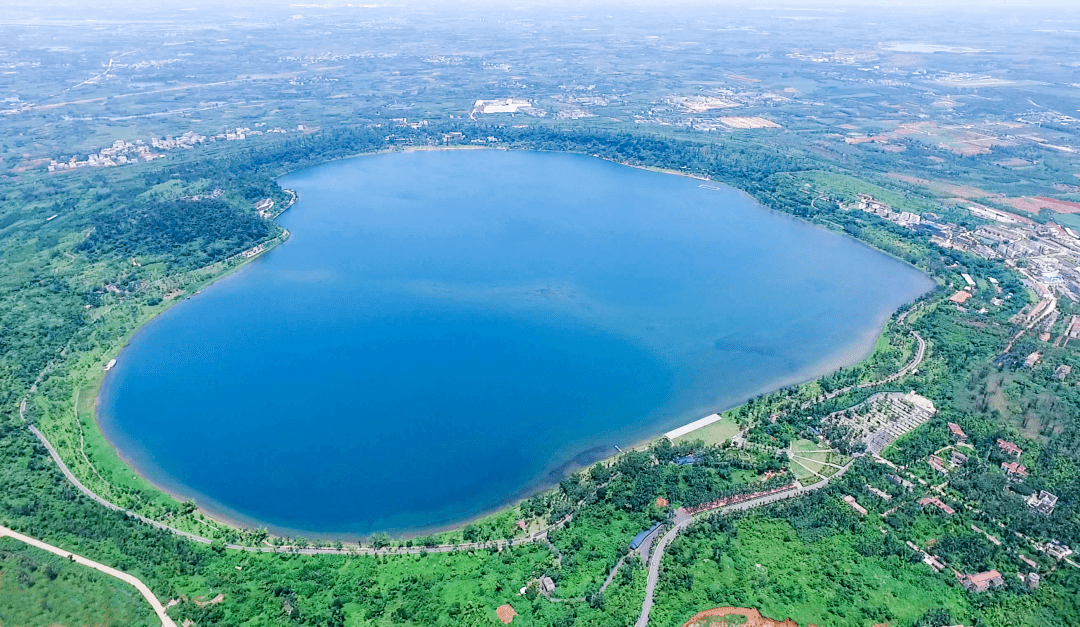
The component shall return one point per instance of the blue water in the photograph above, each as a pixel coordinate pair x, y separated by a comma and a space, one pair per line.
446, 331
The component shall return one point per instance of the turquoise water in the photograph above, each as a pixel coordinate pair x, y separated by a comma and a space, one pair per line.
447, 331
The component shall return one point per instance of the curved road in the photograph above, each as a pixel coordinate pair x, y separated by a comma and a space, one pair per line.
536, 536
159, 609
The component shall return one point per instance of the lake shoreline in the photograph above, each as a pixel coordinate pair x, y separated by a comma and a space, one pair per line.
215, 512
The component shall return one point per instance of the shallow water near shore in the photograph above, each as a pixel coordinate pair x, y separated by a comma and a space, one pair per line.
447, 331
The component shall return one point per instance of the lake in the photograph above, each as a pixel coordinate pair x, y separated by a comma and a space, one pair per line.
448, 331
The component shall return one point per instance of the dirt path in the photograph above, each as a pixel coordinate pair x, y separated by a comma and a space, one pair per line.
159, 609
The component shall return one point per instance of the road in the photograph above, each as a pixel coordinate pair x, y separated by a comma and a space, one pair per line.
681, 523
920, 354
159, 609
683, 520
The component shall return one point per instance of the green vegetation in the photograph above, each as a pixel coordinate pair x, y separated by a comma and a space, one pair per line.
127, 244
764, 563
38, 589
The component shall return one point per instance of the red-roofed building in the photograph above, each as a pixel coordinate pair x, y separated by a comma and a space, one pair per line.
1009, 448
1014, 469
957, 433
936, 502
960, 297
981, 582
505, 614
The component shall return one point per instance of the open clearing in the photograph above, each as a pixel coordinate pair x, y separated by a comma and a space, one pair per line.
716, 433
724, 616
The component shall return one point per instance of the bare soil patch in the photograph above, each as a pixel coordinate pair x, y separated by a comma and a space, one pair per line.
753, 618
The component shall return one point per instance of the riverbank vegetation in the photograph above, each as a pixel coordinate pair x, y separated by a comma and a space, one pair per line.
86, 258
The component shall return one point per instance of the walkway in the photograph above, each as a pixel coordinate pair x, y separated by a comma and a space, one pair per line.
159, 609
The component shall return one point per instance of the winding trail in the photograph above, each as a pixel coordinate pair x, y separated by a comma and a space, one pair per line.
159, 609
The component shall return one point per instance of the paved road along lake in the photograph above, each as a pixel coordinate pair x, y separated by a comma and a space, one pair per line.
446, 331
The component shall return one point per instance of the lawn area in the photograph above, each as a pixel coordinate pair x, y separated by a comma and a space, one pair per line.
802, 475
808, 459
808, 448
716, 433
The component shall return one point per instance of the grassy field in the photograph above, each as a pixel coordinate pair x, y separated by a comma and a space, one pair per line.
38, 589
716, 433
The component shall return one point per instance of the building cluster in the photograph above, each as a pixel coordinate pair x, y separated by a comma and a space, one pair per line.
955, 460
124, 153
1050, 253
1046, 255
869, 204
263, 207
120, 153
188, 140
673, 110
844, 57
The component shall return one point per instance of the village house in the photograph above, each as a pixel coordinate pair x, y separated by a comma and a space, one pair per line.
981, 582
1014, 470
960, 297
1009, 448
957, 433
878, 493
956, 458
1058, 550
546, 585
933, 561
1032, 580
1043, 502
938, 503
900, 482
937, 464
1027, 560
505, 613
850, 500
